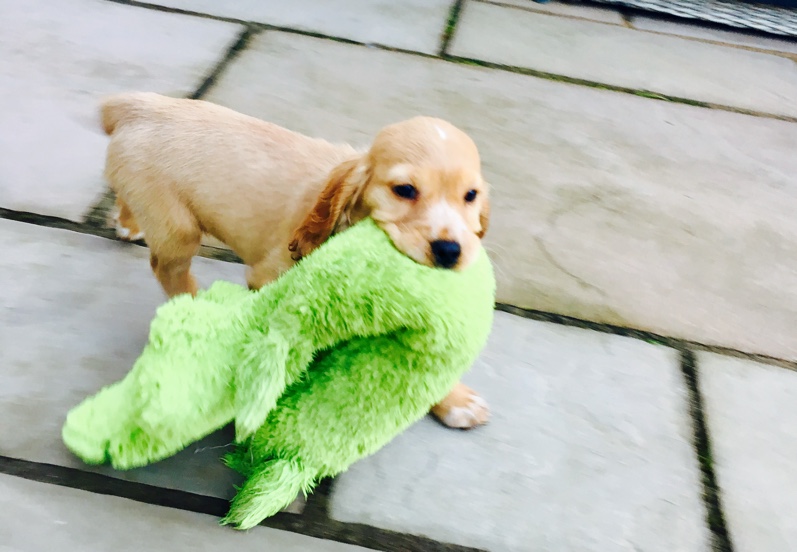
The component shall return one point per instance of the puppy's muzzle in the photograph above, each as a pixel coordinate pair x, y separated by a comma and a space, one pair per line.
446, 253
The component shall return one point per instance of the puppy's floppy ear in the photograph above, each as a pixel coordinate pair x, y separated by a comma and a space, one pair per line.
484, 217
340, 193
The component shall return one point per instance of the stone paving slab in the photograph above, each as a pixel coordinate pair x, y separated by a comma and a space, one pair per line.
56, 61
37, 516
74, 316
624, 57
727, 35
589, 449
751, 411
606, 206
409, 24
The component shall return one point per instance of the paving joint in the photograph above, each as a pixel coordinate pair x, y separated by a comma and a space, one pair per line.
627, 17
715, 518
471, 61
232, 52
101, 231
316, 523
451, 26
643, 335
613, 88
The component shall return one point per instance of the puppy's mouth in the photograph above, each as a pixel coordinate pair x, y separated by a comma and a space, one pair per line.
435, 253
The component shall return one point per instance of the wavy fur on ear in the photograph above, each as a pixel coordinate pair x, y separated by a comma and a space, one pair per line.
340, 193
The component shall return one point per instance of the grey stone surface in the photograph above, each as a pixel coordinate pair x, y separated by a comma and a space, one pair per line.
624, 57
606, 206
37, 516
604, 14
410, 24
55, 64
751, 410
588, 450
74, 316
727, 35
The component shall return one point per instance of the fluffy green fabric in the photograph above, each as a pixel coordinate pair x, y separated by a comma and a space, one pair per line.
318, 369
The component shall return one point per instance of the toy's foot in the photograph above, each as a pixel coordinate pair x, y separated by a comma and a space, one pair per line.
463, 408
138, 449
129, 449
88, 448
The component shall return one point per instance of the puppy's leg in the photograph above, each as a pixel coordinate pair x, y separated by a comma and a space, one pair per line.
174, 274
172, 247
462, 408
125, 223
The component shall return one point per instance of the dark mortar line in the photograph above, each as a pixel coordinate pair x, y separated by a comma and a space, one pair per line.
317, 524
100, 231
317, 504
179, 11
451, 26
98, 214
614, 88
232, 52
49, 221
470, 61
628, 17
97, 483
642, 335
715, 518
97, 229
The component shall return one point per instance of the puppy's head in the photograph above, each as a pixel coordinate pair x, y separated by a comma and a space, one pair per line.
421, 182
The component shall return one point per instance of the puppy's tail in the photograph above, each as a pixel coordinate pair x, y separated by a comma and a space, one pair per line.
121, 108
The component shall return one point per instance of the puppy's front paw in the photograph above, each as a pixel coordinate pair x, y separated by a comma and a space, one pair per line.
462, 409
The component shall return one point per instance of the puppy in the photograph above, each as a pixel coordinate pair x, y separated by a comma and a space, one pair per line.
183, 168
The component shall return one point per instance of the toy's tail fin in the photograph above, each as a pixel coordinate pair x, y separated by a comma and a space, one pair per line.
271, 487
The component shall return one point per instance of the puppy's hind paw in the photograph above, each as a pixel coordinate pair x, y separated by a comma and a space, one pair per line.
129, 232
463, 408
474, 413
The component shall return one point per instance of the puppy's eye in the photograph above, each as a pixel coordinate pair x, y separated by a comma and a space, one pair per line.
471, 195
407, 191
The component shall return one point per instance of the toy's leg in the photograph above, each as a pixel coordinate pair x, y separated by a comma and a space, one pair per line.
463, 408
269, 489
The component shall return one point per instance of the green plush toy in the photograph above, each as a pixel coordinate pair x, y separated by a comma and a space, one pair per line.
318, 369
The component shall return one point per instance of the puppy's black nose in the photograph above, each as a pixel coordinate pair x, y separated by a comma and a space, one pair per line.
446, 253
